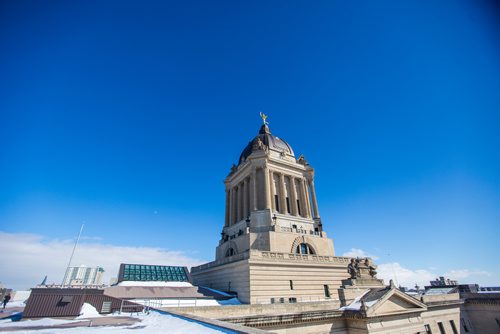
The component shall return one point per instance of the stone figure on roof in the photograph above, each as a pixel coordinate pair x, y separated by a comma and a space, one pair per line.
352, 269
371, 267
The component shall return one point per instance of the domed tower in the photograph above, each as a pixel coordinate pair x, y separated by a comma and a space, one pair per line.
271, 202
272, 216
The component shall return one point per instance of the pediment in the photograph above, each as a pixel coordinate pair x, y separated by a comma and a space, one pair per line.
394, 302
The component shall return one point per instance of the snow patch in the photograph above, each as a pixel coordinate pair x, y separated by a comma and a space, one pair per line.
38, 322
355, 305
88, 311
217, 291
153, 323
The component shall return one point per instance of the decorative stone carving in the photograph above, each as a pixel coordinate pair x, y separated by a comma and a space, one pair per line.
371, 267
352, 269
234, 168
362, 273
301, 160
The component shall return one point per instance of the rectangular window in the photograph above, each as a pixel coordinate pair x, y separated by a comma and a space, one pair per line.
453, 327
277, 203
106, 307
428, 329
464, 325
298, 208
288, 205
292, 300
441, 328
327, 291
291, 285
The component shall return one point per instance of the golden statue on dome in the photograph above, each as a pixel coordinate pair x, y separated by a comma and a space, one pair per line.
264, 117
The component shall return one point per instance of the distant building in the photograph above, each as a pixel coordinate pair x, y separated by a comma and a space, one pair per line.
83, 275
489, 289
441, 281
146, 272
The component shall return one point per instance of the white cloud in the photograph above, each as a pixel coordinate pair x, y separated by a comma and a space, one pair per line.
404, 276
26, 258
356, 252
465, 274
409, 277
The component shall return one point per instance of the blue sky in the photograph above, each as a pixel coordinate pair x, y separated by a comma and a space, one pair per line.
127, 116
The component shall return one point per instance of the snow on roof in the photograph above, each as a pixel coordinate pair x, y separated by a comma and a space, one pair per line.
218, 292
149, 324
88, 311
355, 305
440, 291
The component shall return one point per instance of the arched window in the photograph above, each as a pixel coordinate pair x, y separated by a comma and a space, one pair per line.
230, 252
304, 249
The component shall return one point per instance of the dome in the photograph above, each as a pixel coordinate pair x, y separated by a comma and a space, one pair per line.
268, 140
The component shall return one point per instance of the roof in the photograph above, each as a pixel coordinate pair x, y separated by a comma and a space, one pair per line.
380, 301
147, 272
269, 140
68, 302
441, 291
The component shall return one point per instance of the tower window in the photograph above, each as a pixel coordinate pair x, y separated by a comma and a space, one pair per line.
230, 252
453, 327
304, 249
277, 203
291, 285
441, 328
327, 291
298, 207
288, 205
464, 325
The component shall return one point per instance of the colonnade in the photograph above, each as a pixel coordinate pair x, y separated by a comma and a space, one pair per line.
279, 192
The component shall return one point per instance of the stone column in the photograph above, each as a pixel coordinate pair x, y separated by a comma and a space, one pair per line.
226, 220
293, 196
282, 193
314, 202
254, 189
240, 202
271, 188
231, 207
266, 188
306, 199
245, 199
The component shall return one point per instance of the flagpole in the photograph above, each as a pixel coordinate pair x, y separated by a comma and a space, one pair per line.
72, 253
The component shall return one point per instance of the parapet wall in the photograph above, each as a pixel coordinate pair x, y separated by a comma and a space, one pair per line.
218, 312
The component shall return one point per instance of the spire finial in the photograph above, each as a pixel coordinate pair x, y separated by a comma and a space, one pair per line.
264, 117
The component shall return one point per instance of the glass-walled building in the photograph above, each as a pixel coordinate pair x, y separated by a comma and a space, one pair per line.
146, 272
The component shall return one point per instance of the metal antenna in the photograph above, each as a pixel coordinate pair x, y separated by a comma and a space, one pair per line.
72, 253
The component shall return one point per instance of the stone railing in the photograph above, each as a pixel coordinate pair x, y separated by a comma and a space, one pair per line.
236, 257
274, 256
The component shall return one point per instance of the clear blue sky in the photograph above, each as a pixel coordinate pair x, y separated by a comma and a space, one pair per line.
129, 114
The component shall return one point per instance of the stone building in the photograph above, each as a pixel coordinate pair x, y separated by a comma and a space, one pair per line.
273, 247
83, 276
274, 254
